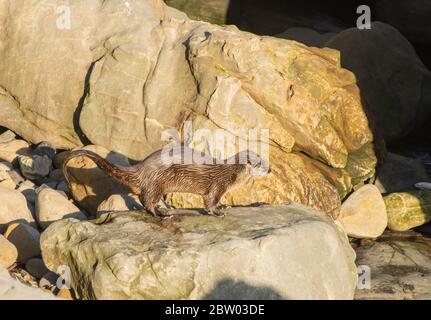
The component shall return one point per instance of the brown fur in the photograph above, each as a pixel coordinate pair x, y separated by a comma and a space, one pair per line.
151, 179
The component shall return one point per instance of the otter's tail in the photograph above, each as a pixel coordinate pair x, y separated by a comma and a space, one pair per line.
125, 175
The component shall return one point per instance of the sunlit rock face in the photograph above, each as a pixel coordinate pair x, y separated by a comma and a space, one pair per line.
119, 75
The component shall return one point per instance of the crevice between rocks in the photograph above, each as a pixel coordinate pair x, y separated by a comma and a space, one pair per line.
77, 114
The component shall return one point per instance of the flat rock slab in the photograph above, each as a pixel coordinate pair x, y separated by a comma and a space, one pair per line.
268, 252
399, 265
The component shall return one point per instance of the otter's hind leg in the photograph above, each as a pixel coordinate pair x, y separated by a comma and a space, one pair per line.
211, 202
150, 201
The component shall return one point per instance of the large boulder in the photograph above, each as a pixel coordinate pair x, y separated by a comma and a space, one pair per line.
266, 17
411, 17
399, 174
269, 252
139, 69
395, 85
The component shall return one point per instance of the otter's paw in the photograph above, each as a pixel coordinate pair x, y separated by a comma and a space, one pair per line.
162, 213
216, 213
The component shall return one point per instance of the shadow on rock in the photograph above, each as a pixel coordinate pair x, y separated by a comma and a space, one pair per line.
229, 289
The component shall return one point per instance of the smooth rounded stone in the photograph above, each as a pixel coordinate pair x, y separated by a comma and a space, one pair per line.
56, 175
52, 206
5, 167
268, 252
59, 158
34, 167
36, 267
11, 289
399, 174
363, 214
50, 184
89, 185
8, 183
8, 253
28, 189
11, 150
407, 210
120, 202
45, 148
16, 177
394, 83
423, 186
13, 208
49, 280
397, 267
63, 187
10, 179
26, 239
7, 136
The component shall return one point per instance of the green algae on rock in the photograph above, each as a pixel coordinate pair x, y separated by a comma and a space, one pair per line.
407, 210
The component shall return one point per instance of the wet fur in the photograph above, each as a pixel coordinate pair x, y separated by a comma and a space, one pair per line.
152, 179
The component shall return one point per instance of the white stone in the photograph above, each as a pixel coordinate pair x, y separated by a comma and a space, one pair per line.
13, 208
7, 136
52, 206
120, 202
9, 151
423, 185
8, 253
363, 214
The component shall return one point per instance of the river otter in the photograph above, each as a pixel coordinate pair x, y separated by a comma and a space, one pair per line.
161, 173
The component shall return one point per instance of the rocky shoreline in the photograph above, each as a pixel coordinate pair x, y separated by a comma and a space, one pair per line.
344, 214
121, 243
